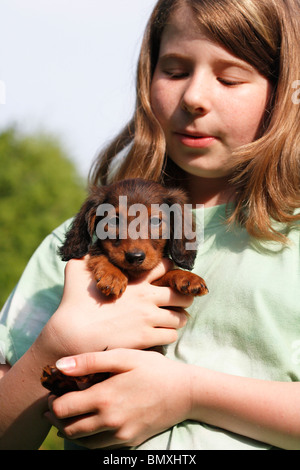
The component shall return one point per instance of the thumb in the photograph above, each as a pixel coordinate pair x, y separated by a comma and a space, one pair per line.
162, 268
114, 361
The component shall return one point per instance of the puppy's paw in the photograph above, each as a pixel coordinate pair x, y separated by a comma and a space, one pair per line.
110, 280
184, 282
111, 283
191, 284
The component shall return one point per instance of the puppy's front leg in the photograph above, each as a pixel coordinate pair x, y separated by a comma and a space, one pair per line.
110, 279
184, 282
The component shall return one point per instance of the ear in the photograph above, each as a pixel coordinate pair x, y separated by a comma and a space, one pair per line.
182, 231
80, 234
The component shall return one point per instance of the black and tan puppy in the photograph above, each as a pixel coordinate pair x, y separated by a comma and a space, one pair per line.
126, 228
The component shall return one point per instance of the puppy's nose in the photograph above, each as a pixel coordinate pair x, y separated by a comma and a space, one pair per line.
135, 257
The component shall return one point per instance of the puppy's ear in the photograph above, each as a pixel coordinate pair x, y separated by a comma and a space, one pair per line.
80, 234
181, 246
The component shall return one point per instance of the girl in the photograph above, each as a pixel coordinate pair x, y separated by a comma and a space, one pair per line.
214, 114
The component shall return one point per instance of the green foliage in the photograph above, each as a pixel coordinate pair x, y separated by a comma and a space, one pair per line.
39, 189
53, 442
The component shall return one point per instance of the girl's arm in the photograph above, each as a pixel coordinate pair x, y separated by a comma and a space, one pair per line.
23, 402
116, 413
83, 322
266, 411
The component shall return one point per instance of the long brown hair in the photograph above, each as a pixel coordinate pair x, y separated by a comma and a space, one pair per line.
266, 172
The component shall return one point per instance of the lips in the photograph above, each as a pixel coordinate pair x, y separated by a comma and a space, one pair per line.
193, 134
194, 139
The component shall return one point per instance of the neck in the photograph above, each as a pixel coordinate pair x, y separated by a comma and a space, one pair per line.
209, 191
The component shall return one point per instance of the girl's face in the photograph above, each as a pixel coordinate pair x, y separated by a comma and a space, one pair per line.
208, 101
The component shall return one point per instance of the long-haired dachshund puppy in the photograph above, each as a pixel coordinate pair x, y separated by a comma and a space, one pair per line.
123, 245
126, 228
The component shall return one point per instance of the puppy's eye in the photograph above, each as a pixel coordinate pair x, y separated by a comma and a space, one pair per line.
155, 221
113, 221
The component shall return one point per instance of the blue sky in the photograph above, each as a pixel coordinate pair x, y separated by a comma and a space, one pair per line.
69, 68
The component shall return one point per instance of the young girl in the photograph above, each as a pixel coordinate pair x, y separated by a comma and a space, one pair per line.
214, 114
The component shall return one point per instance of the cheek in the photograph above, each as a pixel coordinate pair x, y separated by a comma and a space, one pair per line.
244, 121
163, 102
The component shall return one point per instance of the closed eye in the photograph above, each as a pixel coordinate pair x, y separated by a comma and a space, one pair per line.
176, 75
230, 82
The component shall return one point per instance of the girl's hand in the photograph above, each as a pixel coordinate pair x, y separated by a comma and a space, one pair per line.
86, 321
147, 394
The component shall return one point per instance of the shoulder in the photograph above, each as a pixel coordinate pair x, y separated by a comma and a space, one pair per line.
35, 297
45, 266
58, 234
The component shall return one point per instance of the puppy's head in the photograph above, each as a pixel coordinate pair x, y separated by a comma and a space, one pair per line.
136, 222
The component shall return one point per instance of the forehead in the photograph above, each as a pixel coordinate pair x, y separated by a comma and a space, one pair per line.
241, 29
183, 30
184, 35
181, 24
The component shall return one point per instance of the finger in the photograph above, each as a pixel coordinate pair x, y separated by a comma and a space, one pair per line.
54, 421
168, 297
78, 276
84, 427
77, 428
73, 404
162, 268
163, 337
170, 317
77, 267
113, 361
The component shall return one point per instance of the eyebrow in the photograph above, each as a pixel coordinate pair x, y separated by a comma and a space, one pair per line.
223, 62
173, 55
237, 63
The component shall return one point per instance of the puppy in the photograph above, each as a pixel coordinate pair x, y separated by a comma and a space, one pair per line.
126, 228
123, 245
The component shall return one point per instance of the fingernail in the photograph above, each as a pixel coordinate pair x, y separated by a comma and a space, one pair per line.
66, 364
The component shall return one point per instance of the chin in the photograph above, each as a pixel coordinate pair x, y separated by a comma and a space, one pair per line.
207, 173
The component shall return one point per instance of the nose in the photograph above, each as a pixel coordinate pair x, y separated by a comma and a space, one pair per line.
135, 257
196, 98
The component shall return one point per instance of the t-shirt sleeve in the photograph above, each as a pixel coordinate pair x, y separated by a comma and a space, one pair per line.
34, 299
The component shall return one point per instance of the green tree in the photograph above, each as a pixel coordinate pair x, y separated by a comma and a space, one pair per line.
39, 189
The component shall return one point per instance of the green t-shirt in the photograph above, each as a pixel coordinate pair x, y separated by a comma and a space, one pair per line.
247, 326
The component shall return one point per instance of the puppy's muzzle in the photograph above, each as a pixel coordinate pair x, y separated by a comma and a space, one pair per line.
135, 258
